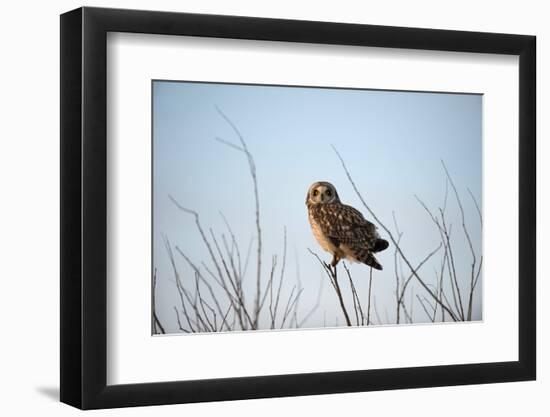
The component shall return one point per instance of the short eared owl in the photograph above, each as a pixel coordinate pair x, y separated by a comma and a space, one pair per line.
340, 229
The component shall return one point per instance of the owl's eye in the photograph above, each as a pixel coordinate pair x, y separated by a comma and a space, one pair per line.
328, 193
315, 193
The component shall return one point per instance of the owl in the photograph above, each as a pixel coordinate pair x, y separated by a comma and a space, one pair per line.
340, 229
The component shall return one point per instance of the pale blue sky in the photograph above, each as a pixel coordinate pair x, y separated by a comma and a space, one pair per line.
392, 143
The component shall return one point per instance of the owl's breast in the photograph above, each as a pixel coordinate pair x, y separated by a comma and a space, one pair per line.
323, 240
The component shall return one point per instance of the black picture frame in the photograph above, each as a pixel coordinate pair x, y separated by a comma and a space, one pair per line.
84, 207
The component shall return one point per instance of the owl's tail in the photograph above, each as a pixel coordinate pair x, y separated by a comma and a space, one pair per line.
380, 245
368, 258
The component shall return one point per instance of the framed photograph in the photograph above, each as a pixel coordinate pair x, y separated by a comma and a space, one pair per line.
257, 208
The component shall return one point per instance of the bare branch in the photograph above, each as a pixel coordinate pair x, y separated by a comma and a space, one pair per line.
356, 300
316, 306
424, 307
156, 324
390, 235
252, 168
370, 287
477, 207
332, 273
465, 229
278, 296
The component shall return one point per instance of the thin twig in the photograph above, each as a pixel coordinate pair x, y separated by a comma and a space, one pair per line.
332, 273
356, 300
252, 168
420, 280
370, 287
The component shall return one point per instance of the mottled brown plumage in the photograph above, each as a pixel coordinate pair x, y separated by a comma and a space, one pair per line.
340, 229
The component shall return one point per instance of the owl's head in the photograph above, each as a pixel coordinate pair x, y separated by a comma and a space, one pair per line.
322, 192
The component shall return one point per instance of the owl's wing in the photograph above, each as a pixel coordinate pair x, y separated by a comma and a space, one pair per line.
344, 224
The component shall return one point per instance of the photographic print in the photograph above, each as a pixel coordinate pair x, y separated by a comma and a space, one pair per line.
293, 207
